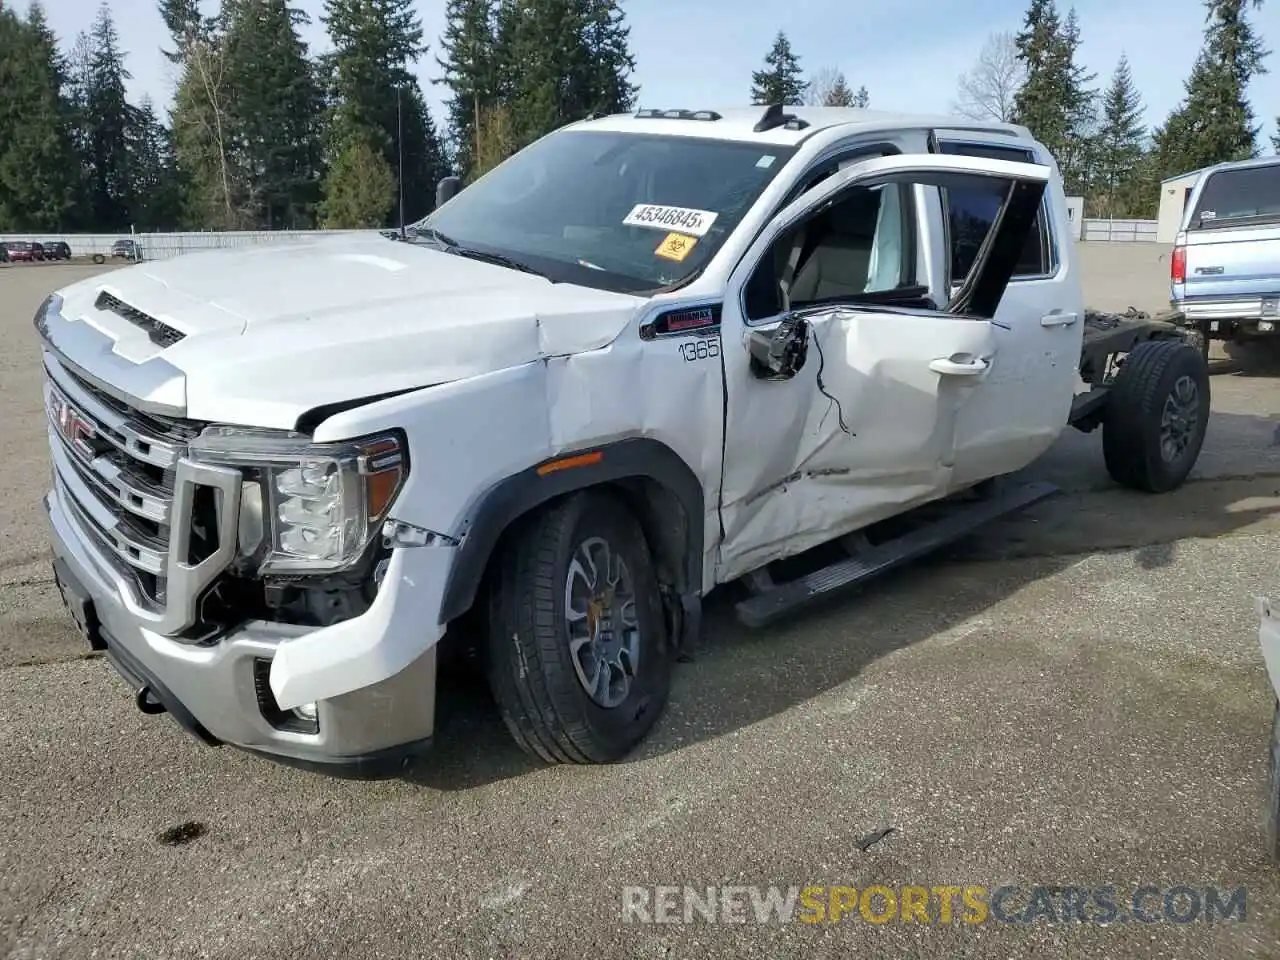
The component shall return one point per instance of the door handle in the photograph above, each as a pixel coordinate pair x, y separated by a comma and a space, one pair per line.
956, 368
1059, 319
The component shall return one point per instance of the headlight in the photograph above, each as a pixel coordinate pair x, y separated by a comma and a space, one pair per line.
308, 507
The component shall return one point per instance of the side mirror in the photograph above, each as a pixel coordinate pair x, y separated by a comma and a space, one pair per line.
778, 354
447, 189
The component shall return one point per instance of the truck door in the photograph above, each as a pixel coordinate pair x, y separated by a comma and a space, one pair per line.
847, 364
1038, 326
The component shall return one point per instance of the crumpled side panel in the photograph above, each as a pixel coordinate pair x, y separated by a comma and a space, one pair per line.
863, 432
644, 388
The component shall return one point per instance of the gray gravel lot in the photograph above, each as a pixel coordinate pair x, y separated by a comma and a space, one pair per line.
1073, 698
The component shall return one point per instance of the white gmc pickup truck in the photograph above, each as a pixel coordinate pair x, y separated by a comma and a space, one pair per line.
648, 355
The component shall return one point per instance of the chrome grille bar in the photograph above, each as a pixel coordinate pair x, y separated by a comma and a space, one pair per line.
131, 543
123, 481
117, 482
126, 436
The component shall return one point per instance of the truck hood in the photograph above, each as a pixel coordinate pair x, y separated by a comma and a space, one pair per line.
267, 333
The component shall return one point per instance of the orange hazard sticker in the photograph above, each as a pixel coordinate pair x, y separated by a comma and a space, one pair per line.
676, 246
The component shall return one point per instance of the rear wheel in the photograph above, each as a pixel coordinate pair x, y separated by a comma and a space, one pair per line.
1156, 417
579, 658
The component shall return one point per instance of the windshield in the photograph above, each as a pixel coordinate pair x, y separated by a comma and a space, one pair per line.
618, 211
1247, 194
19, 245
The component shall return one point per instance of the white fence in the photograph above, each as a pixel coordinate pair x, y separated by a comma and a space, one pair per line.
161, 246
1119, 231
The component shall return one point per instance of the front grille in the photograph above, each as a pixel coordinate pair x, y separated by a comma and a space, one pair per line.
115, 470
158, 331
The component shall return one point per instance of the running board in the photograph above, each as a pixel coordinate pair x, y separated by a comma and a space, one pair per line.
960, 520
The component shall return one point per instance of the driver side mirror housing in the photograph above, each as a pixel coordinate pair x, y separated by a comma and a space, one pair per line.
778, 354
447, 189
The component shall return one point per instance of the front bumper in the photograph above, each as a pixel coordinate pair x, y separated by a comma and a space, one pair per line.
215, 690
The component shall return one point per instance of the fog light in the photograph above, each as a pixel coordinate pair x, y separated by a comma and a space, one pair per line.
306, 711
1266, 326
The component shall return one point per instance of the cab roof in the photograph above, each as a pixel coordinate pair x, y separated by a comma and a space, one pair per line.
782, 126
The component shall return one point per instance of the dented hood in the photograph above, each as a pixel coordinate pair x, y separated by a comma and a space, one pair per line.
270, 332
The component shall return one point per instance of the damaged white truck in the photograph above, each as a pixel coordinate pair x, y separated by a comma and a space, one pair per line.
648, 355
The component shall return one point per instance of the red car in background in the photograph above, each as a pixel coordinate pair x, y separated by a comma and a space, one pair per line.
20, 250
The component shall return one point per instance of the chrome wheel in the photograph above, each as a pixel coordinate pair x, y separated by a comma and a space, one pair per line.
1179, 419
602, 623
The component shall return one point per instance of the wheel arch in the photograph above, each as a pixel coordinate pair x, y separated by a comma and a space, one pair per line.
654, 481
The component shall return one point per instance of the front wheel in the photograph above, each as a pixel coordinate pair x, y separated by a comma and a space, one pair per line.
1156, 417
579, 658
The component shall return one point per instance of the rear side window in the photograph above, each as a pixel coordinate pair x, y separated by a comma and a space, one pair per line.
971, 212
1231, 197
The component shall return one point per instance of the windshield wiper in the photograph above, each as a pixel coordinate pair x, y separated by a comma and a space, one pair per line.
435, 236
498, 259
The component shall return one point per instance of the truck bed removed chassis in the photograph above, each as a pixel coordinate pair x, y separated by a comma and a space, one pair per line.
1107, 337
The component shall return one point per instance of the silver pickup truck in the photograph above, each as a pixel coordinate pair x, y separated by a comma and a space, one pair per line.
1225, 268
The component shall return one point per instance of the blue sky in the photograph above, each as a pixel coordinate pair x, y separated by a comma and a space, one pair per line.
700, 53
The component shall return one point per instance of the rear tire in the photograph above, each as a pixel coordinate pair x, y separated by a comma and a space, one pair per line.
579, 660
1156, 416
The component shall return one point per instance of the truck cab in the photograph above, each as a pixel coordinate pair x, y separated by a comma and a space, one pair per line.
647, 355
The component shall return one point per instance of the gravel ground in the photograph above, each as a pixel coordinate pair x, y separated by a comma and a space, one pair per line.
1073, 698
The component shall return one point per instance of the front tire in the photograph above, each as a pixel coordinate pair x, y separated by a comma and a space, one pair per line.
579, 659
1156, 416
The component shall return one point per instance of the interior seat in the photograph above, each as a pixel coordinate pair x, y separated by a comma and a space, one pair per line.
841, 240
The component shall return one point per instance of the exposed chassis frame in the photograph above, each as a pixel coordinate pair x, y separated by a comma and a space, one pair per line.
1107, 337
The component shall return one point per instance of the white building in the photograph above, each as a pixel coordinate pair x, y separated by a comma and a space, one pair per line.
1174, 193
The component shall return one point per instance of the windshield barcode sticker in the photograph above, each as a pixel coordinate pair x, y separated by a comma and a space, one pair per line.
658, 217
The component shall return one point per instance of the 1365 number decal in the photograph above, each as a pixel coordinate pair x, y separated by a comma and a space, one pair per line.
700, 349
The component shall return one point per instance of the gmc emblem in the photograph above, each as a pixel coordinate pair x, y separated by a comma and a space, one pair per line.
75, 427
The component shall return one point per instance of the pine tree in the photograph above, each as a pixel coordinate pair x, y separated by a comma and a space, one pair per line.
1055, 103
780, 81
425, 162
157, 203
470, 72
558, 61
861, 99
359, 187
38, 168
377, 100
110, 120
828, 88
1120, 146
1215, 122
186, 24
606, 40
274, 107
